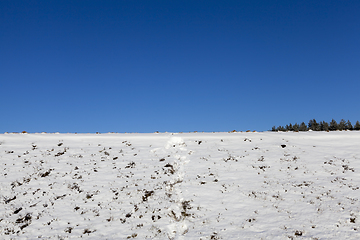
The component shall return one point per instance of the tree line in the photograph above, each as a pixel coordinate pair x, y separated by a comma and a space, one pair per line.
313, 125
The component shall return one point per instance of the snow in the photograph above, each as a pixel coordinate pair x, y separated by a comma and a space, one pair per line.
259, 185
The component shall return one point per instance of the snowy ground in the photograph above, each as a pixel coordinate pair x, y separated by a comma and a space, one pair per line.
180, 186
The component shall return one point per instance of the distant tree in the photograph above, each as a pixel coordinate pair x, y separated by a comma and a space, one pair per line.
348, 125
324, 126
281, 129
310, 124
357, 125
333, 125
296, 127
313, 125
342, 125
289, 127
273, 129
303, 127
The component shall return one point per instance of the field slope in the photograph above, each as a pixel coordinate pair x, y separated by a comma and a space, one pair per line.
180, 186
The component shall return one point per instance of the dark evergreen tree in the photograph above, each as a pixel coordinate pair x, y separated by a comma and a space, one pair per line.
296, 127
313, 125
342, 125
348, 125
289, 127
273, 129
324, 126
310, 124
333, 125
357, 125
303, 127
281, 129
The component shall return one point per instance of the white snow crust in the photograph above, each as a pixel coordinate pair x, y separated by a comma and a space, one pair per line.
266, 185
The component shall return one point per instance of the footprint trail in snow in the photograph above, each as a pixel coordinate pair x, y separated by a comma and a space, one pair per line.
177, 210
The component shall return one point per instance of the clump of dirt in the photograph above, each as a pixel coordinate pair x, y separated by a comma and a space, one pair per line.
24, 221
147, 195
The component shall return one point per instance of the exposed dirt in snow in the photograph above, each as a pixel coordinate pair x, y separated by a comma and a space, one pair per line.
180, 186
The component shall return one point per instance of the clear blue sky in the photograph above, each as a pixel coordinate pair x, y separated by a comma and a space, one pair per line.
145, 66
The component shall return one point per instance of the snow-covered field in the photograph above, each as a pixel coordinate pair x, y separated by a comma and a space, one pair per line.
265, 185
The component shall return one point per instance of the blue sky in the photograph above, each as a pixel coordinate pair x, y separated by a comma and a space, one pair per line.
145, 66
